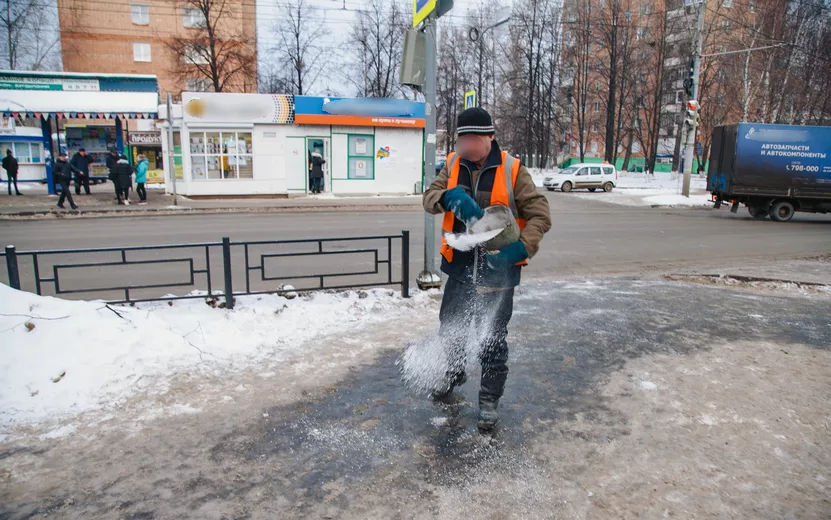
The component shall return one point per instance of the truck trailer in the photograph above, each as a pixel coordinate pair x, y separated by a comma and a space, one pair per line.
775, 170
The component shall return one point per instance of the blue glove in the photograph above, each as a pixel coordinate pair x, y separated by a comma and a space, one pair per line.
462, 205
507, 256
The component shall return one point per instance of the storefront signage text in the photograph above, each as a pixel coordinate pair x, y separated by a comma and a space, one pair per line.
146, 138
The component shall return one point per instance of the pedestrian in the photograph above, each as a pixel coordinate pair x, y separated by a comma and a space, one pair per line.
63, 175
141, 178
11, 166
316, 171
123, 174
111, 161
80, 161
479, 174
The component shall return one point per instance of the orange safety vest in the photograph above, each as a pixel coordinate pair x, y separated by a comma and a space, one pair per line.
502, 193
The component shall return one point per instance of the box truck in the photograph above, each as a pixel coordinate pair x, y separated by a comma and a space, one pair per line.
774, 170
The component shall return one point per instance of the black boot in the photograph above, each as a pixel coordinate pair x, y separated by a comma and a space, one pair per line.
453, 380
493, 385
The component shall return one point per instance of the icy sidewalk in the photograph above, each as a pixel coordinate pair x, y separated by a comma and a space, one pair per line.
62, 358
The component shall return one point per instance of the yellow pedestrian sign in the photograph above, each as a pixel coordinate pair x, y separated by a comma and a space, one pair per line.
422, 9
470, 99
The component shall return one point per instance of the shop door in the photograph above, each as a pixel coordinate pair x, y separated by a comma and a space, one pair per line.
321, 144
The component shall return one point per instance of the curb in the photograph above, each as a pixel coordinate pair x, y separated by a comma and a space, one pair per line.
104, 213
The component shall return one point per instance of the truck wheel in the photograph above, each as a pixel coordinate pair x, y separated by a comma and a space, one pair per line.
566, 187
757, 212
782, 211
608, 187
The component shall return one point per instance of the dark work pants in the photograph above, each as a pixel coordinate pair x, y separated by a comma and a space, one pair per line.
142, 193
65, 194
13, 179
79, 180
489, 310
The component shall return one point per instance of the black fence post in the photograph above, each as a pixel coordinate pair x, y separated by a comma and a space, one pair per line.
11, 265
226, 266
405, 263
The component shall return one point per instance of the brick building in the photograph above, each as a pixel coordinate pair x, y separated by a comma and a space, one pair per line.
166, 38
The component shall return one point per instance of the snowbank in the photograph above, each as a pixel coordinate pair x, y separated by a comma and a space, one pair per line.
61, 358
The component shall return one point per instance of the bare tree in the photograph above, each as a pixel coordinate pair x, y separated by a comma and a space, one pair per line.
578, 44
378, 36
30, 40
215, 48
301, 51
453, 79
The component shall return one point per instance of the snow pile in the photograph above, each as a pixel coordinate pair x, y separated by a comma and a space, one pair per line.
61, 358
660, 189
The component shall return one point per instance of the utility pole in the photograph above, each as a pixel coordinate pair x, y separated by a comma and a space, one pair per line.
691, 133
429, 276
171, 153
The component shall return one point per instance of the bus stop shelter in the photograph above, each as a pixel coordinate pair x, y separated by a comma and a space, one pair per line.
65, 98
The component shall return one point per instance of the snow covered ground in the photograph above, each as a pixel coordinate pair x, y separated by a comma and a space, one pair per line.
62, 358
640, 189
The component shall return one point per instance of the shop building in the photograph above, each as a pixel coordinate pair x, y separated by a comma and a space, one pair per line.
262, 144
70, 111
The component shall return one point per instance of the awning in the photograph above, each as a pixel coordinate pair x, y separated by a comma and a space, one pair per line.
91, 105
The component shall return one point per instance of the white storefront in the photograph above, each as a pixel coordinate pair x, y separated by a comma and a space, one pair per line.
259, 144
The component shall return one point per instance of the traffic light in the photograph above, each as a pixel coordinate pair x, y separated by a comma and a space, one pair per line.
688, 81
693, 115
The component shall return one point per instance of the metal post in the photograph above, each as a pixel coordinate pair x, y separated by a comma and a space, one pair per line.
226, 267
171, 153
429, 276
690, 143
11, 265
405, 263
48, 152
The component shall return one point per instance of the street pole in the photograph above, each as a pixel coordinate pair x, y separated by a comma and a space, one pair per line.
429, 276
690, 142
171, 161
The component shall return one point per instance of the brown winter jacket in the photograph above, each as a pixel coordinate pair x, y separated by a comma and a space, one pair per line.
530, 204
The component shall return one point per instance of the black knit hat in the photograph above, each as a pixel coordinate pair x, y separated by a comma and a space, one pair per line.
474, 120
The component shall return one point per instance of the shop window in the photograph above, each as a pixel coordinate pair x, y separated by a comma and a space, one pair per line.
141, 52
361, 162
24, 152
140, 14
221, 155
194, 18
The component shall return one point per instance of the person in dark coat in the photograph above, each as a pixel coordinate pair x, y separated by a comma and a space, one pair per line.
11, 167
63, 174
80, 161
111, 161
124, 178
316, 171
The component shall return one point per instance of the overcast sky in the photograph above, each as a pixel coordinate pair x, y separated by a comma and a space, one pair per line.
338, 23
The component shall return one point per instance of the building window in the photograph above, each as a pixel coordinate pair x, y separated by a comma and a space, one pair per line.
728, 4
596, 106
597, 84
636, 123
646, 9
24, 152
141, 52
140, 14
594, 147
361, 160
752, 6
680, 96
198, 85
720, 98
639, 103
642, 32
601, 4
725, 25
636, 147
596, 127
221, 155
195, 55
194, 18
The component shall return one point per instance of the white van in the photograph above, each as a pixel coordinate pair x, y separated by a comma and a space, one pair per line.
589, 176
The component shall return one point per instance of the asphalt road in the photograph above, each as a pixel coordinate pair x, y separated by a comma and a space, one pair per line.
589, 237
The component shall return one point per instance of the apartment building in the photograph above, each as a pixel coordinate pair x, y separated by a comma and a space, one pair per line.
166, 38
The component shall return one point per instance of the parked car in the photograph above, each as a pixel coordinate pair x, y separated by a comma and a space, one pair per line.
583, 176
